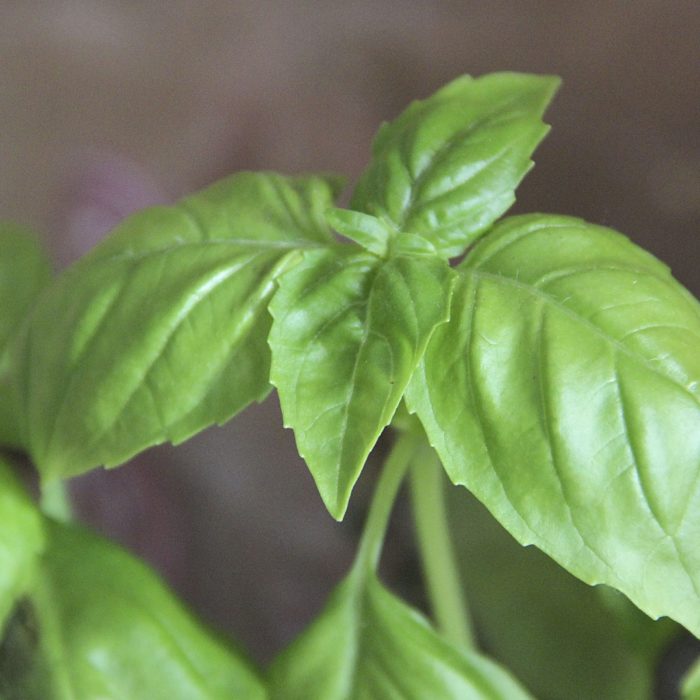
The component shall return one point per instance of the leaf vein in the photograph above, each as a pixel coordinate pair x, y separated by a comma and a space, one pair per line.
545, 409
210, 285
478, 411
592, 327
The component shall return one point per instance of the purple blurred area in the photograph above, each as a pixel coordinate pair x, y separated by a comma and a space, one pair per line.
109, 106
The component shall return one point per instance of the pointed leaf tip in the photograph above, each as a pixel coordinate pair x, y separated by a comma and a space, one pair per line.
348, 332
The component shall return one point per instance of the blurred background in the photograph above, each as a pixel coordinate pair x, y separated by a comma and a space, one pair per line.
108, 106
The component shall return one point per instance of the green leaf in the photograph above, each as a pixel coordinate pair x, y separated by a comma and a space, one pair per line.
368, 644
448, 167
24, 271
106, 627
690, 685
347, 334
21, 541
162, 330
561, 638
371, 233
564, 394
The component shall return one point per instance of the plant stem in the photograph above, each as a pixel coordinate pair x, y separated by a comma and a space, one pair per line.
55, 501
435, 545
390, 479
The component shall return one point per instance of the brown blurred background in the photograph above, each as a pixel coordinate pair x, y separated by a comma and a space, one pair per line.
108, 105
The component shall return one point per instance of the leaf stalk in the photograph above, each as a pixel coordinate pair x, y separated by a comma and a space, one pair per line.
385, 492
440, 572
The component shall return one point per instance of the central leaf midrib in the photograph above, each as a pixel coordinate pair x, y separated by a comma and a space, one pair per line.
250, 244
118, 413
345, 417
419, 178
360, 606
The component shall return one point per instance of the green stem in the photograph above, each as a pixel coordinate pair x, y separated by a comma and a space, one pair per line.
437, 554
392, 475
55, 501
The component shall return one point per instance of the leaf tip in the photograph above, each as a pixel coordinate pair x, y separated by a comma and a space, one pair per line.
337, 509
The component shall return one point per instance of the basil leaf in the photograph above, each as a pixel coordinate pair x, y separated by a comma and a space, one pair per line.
24, 271
21, 541
564, 394
690, 684
106, 627
371, 233
448, 167
369, 644
348, 331
561, 638
162, 330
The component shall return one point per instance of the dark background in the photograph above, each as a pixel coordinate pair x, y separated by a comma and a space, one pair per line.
106, 106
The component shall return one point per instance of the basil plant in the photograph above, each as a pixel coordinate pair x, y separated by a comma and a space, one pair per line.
547, 366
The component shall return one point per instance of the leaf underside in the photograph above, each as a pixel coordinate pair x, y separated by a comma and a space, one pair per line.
564, 393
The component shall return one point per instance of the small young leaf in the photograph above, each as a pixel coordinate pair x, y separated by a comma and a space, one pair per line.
565, 394
108, 628
448, 167
347, 334
162, 330
369, 644
368, 231
21, 541
24, 271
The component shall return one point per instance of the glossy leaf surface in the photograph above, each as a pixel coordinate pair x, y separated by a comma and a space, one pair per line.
448, 167
24, 271
107, 628
21, 541
162, 330
564, 394
367, 644
348, 332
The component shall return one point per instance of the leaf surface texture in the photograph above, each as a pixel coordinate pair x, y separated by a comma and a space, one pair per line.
564, 393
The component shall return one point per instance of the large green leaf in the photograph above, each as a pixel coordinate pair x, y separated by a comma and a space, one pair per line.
448, 167
24, 271
21, 541
564, 394
367, 644
348, 331
104, 626
162, 330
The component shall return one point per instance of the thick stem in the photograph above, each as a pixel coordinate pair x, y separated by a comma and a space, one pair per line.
435, 545
390, 479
